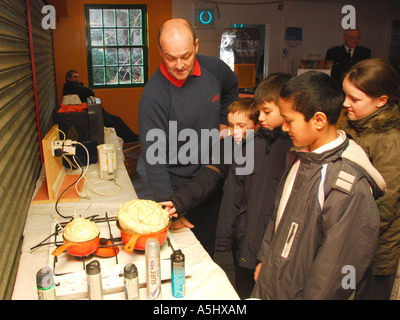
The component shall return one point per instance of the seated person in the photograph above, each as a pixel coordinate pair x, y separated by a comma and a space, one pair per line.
73, 86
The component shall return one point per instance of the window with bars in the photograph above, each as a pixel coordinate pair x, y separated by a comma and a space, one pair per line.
116, 45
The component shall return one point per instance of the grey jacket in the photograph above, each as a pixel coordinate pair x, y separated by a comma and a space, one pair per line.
329, 229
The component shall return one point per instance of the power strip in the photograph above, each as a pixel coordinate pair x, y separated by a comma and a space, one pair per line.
58, 147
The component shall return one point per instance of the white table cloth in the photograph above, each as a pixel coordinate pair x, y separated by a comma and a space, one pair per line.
207, 281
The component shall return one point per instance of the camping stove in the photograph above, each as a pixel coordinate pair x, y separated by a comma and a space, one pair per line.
70, 273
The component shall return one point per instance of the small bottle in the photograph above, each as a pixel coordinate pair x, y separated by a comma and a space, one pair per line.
131, 282
45, 284
153, 269
94, 283
178, 274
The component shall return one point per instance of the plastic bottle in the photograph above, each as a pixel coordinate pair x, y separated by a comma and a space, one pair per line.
153, 269
178, 274
131, 282
45, 284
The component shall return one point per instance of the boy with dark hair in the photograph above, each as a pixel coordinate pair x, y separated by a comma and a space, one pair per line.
326, 223
242, 116
248, 201
208, 183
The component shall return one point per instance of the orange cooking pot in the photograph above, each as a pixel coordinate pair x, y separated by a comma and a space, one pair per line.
78, 249
138, 241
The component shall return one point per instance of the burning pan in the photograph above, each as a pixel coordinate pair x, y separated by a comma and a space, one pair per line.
138, 241
78, 249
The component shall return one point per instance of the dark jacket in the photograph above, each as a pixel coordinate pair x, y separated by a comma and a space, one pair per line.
248, 201
167, 111
75, 87
379, 135
330, 226
341, 61
206, 181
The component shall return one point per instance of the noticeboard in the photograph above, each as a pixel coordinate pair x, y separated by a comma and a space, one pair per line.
315, 65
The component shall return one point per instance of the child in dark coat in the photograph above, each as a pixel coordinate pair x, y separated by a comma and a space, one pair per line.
207, 185
248, 200
325, 224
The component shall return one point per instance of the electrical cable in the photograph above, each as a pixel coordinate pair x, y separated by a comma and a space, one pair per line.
82, 195
65, 137
91, 187
87, 167
58, 199
82, 175
42, 242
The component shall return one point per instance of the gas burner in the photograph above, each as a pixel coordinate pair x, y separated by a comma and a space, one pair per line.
106, 248
70, 274
110, 238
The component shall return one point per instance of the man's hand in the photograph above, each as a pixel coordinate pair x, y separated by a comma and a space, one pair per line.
180, 223
169, 206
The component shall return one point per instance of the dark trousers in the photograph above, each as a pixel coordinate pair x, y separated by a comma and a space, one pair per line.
244, 281
244, 277
122, 129
375, 287
380, 287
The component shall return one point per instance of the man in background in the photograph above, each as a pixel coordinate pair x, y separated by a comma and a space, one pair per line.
347, 55
73, 86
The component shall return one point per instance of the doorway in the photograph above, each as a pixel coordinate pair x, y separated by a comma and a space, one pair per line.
259, 32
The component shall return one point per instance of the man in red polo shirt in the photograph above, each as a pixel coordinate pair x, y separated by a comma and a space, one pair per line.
189, 92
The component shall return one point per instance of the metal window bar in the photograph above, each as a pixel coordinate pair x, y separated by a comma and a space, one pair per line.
126, 65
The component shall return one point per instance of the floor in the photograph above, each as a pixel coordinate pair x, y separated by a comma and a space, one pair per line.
139, 182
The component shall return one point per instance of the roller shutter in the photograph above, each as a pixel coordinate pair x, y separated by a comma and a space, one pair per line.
20, 160
44, 66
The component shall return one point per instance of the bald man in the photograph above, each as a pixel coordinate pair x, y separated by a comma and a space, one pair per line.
178, 48
188, 91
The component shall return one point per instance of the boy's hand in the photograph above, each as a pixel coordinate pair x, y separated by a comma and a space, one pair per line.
257, 271
169, 206
180, 223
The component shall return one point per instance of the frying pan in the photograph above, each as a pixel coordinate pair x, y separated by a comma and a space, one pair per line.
78, 249
138, 241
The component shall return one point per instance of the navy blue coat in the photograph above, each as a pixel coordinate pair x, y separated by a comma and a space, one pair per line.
248, 200
341, 61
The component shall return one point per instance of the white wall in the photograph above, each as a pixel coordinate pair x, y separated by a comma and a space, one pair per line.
321, 24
